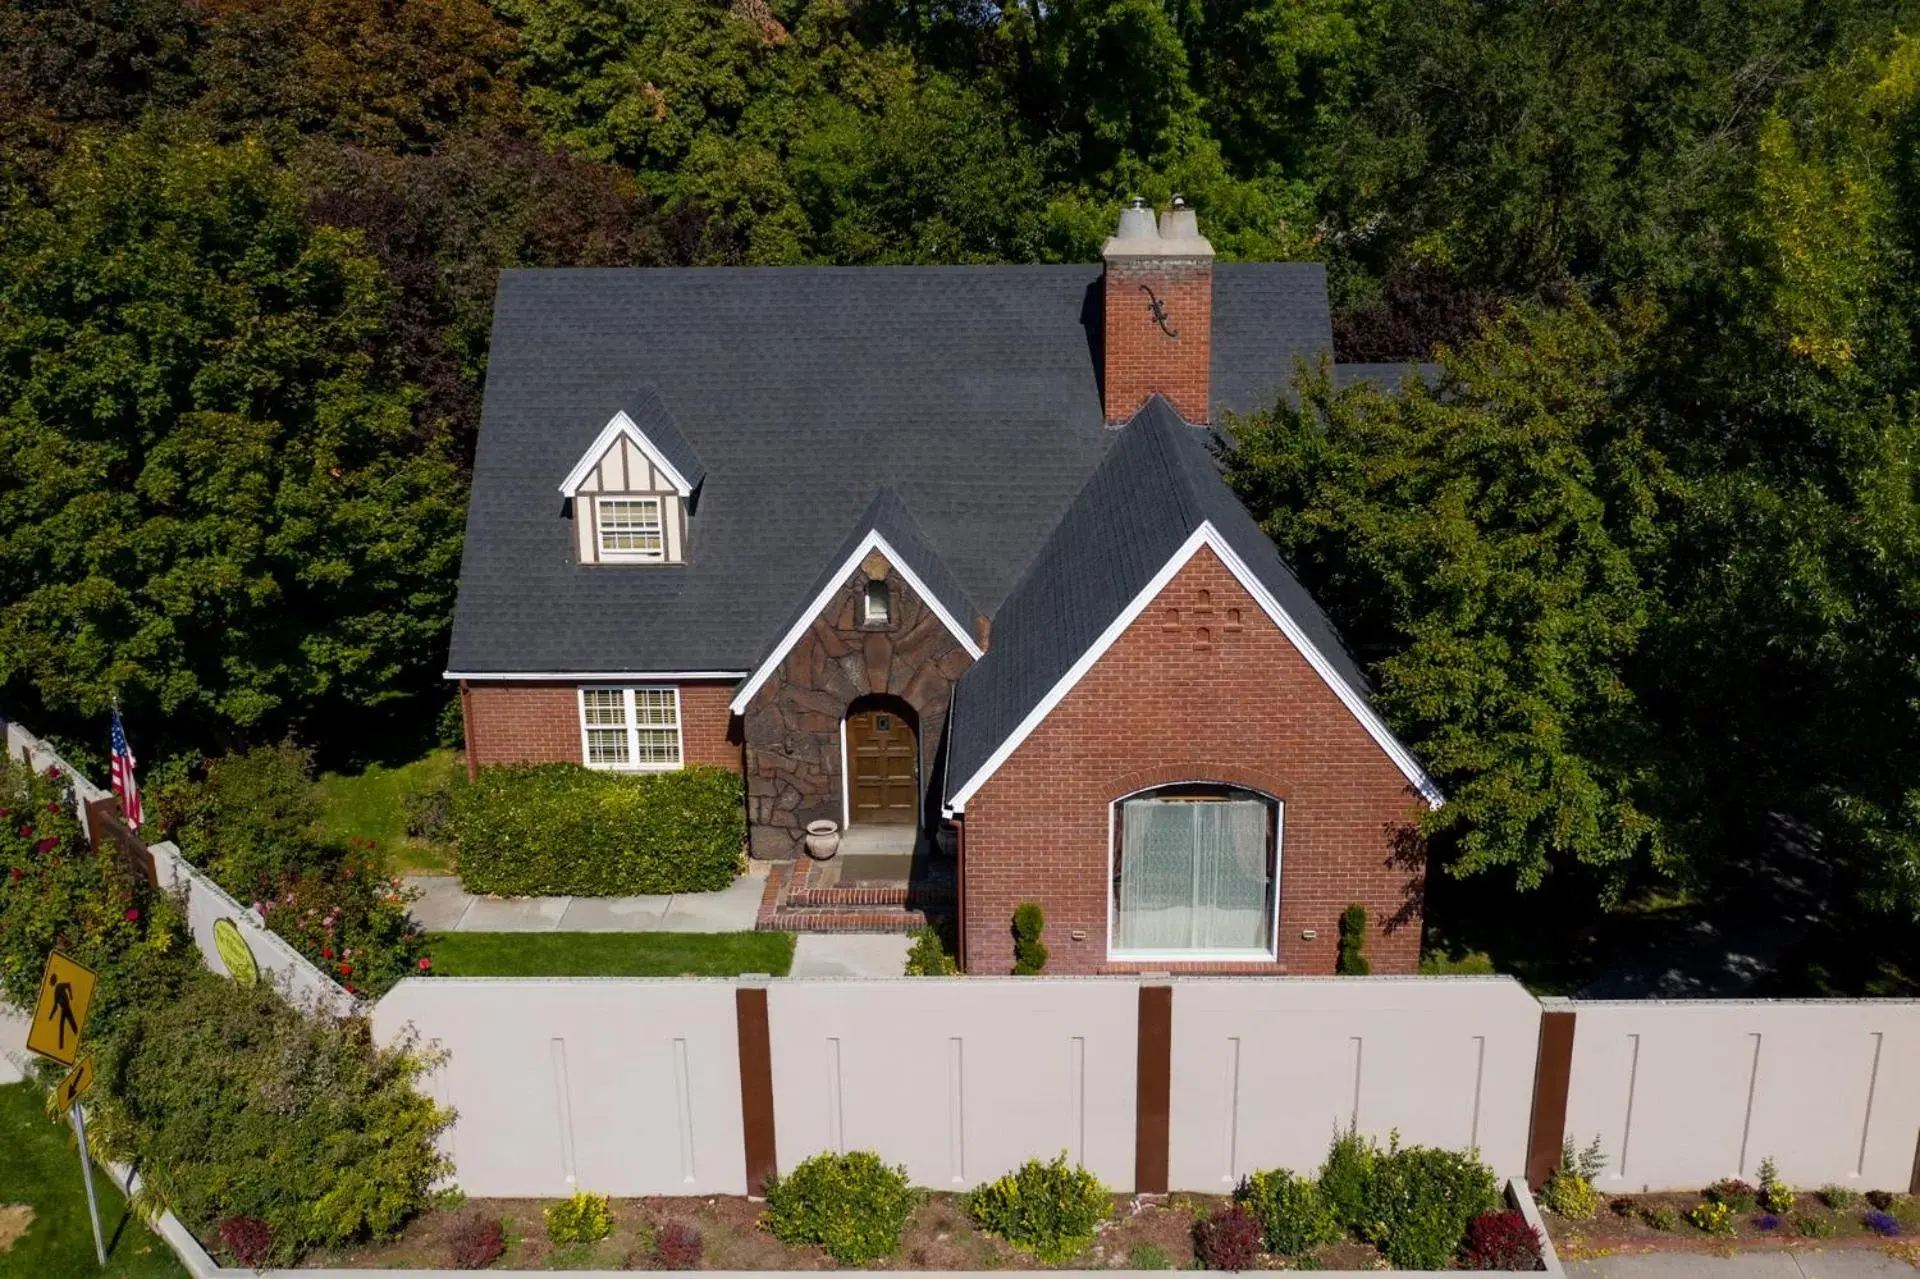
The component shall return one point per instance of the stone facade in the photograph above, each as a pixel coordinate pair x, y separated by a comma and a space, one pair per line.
1201, 687
792, 726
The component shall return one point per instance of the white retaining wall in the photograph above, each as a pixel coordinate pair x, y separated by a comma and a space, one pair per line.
960, 1079
1684, 1093
297, 978
627, 1086
1264, 1071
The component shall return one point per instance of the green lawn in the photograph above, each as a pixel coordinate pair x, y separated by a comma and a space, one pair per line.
610, 954
373, 805
40, 1168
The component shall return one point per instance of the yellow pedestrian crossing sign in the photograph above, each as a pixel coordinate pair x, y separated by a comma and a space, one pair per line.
76, 1084
66, 992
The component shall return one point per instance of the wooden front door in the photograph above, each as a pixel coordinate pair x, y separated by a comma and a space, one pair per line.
883, 758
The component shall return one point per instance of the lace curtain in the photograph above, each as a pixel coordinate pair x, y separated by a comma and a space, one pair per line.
1194, 876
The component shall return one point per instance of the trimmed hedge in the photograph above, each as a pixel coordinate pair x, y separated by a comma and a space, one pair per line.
563, 829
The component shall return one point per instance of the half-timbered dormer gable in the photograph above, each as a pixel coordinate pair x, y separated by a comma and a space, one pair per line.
631, 493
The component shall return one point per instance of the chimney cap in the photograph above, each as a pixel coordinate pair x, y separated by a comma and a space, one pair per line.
1177, 234
1136, 222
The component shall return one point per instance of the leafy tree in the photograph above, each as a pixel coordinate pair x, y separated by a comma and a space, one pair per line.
215, 496
1489, 545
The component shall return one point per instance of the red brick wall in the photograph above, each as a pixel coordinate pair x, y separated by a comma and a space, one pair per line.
1164, 704
1139, 359
523, 722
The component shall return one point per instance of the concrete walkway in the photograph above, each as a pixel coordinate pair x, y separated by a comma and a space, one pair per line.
850, 955
1837, 1263
445, 907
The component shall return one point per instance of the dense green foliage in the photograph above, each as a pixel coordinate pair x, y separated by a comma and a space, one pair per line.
560, 828
1294, 1216
1029, 951
230, 1102
1352, 960
1419, 1201
1639, 579
853, 1205
1049, 1209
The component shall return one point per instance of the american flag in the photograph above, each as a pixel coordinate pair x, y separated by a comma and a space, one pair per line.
123, 784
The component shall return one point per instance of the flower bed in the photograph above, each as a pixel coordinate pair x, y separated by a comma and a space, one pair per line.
1724, 1215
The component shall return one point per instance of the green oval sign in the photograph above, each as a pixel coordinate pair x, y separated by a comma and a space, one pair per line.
227, 939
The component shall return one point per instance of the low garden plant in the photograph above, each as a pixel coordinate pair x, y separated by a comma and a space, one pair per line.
564, 829
1500, 1241
1884, 1224
1839, 1198
1570, 1192
1344, 1177
1048, 1209
475, 1242
1738, 1196
1419, 1200
1294, 1217
1660, 1217
1228, 1239
1773, 1195
248, 1240
1713, 1217
1815, 1227
583, 1217
853, 1205
930, 955
677, 1246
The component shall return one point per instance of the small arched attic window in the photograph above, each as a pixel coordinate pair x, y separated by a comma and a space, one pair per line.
876, 606
628, 500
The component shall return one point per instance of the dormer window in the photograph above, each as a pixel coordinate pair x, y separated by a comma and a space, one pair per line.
877, 606
631, 528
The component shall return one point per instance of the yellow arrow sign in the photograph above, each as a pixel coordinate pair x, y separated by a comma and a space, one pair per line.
76, 1084
66, 992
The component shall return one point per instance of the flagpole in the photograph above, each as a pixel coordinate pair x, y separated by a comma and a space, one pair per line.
86, 1172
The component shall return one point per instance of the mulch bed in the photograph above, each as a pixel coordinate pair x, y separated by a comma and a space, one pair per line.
1145, 1232
1622, 1226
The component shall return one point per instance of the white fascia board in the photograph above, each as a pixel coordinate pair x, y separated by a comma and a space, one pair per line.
871, 542
622, 425
1206, 536
592, 677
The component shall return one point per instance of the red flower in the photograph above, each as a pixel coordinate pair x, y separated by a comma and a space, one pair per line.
349, 988
16, 872
26, 832
46, 846
52, 807
425, 963
5, 811
132, 914
326, 952
346, 970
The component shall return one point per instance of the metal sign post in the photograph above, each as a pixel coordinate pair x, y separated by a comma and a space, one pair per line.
86, 1173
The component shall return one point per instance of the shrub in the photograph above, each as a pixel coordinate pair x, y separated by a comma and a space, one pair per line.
250, 822
1147, 1256
1660, 1217
853, 1205
352, 923
429, 810
1881, 1199
1622, 1206
1773, 1194
564, 829
1569, 1192
676, 1246
248, 1239
583, 1218
475, 1242
1500, 1241
1352, 961
1049, 1209
1293, 1216
1814, 1227
1737, 1195
1881, 1223
1712, 1217
930, 956
231, 1104
1419, 1201
1344, 1177
1029, 952
1838, 1198
1227, 1240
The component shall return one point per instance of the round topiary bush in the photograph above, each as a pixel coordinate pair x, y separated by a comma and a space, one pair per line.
1049, 1209
854, 1205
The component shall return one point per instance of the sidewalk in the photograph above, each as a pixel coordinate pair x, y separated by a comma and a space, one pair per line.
445, 907
1837, 1263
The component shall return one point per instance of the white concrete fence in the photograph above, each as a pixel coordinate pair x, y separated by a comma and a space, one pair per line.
690, 1086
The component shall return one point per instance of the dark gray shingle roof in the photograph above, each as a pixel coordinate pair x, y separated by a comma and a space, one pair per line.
651, 416
971, 392
1156, 486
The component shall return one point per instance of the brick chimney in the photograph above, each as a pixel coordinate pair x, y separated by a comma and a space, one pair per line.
1159, 313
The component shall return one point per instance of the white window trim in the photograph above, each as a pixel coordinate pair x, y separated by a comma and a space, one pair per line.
1269, 955
866, 603
1207, 536
610, 556
622, 425
627, 691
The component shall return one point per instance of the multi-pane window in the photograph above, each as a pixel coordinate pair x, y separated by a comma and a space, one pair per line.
633, 728
631, 528
1195, 872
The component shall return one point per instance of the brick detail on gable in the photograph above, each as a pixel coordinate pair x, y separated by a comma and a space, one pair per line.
1138, 357
1202, 686
530, 722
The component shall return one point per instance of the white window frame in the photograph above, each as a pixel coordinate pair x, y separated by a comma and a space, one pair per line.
629, 697
1270, 955
612, 555
867, 593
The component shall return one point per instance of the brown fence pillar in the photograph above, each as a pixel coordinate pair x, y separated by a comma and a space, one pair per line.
756, 1084
1552, 1071
1154, 1081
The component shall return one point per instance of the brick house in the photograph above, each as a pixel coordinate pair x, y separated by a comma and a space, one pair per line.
943, 556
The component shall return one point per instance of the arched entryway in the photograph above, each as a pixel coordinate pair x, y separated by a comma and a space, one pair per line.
881, 736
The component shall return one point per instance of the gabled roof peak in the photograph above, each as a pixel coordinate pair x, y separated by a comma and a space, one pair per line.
653, 432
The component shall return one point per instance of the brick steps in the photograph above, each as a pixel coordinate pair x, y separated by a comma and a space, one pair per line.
791, 904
